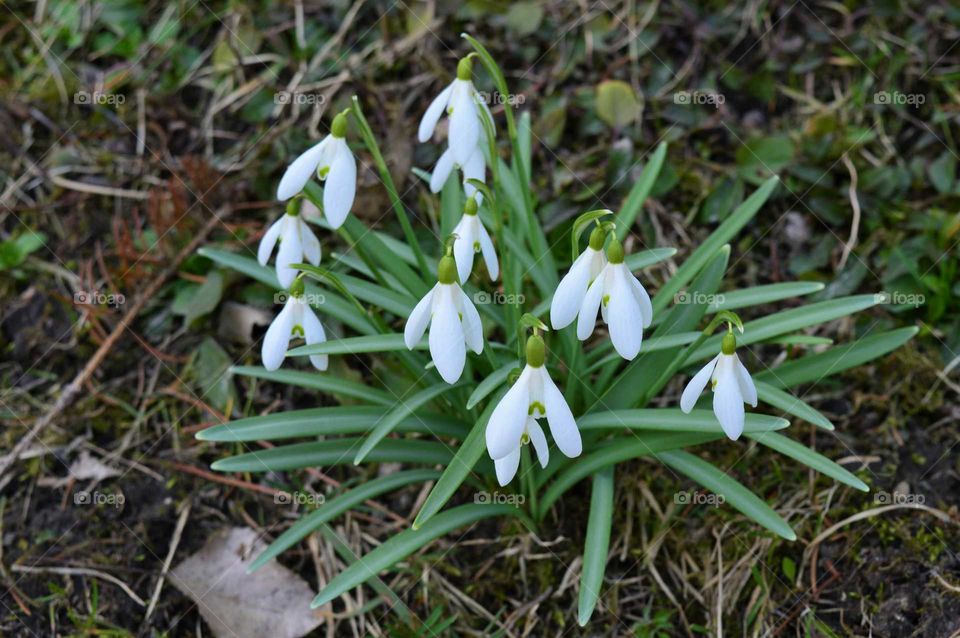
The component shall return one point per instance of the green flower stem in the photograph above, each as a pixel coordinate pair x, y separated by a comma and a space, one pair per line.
529, 468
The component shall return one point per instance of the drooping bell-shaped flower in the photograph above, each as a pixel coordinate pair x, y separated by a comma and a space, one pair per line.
454, 323
732, 387
462, 103
572, 289
296, 319
334, 165
514, 421
471, 238
623, 303
297, 242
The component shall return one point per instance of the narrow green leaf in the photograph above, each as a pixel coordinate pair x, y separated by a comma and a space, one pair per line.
318, 381
646, 258
451, 204
739, 497
334, 452
674, 420
392, 342
791, 405
641, 189
402, 545
810, 458
597, 543
488, 385
757, 295
337, 506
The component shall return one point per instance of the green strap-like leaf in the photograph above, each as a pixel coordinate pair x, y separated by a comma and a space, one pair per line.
402, 545
646, 258
597, 543
488, 385
757, 295
337, 506
674, 420
320, 382
406, 407
791, 405
810, 458
354, 345
739, 497
641, 189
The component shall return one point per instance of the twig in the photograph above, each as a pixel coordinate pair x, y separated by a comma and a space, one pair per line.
174, 543
70, 391
855, 205
81, 571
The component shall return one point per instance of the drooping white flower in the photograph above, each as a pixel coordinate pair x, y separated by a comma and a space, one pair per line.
514, 420
296, 319
472, 237
454, 323
475, 168
462, 103
623, 303
573, 287
334, 164
297, 242
732, 387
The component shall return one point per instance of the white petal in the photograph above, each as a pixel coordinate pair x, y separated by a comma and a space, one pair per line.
696, 385
441, 171
507, 421
486, 108
310, 243
472, 327
507, 466
432, 115
570, 292
475, 168
563, 427
727, 400
269, 240
489, 252
623, 313
447, 343
587, 316
291, 252
419, 320
313, 333
747, 388
464, 131
539, 441
275, 342
341, 185
463, 247
646, 307
297, 174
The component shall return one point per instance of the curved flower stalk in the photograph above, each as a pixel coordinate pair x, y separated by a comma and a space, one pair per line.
572, 289
732, 387
334, 164
296, 319
454, 323
514, 420
297, 242
623, 303
470, 238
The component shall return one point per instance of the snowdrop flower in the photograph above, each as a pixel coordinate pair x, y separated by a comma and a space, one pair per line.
296, 242
462, 103
296, 319
514, 420
623, 302
454, 323
334, 164
732, 387
573, 287
475, 168
472, 237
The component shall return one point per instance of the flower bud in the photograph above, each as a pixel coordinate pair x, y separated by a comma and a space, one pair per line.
447, 270
339, 126
296, 288
465, 69
615, 252
470, 208
598, 237
729, 344
536, 351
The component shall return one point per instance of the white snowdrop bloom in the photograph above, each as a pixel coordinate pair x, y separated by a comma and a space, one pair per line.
462, 103
297, 319
732, 387
475, 168
623, 303
454, 323
297, 242
472, 238
573, 287
335, 166
514, 420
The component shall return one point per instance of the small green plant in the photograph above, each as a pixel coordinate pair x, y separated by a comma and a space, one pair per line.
445, 414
